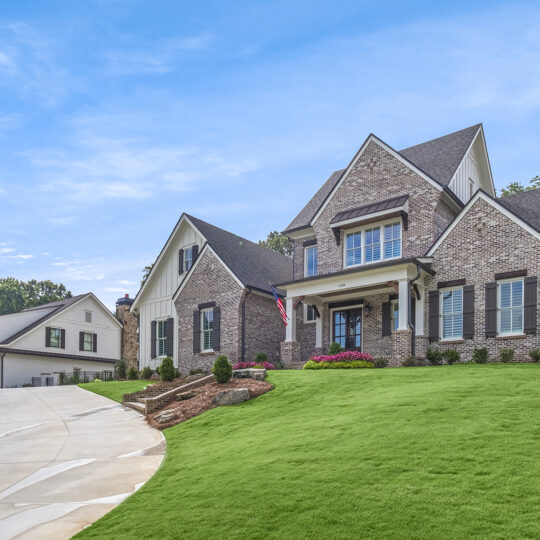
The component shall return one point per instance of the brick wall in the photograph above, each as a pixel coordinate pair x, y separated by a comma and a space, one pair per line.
483, 243
298, 259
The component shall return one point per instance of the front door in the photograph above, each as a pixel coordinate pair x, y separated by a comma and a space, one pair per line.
347, 328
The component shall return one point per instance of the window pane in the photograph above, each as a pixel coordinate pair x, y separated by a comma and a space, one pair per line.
517, 320
458, 301
517, 293
373, 246
506, 322
505, 293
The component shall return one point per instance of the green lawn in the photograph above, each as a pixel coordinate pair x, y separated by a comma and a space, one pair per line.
434, 452
115, 389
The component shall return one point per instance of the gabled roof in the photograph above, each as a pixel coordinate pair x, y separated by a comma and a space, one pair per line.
441, 157
57, 307
438, 159
526, 205
253, 265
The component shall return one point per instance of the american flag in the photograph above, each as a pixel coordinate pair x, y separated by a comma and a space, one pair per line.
280, 306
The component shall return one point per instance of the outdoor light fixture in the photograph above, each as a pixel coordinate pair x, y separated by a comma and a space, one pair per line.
367, 310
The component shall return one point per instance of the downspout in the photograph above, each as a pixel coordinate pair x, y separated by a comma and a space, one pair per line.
409, 302
243, 338
2, 370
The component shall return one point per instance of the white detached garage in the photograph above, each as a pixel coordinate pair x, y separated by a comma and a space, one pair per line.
40, 343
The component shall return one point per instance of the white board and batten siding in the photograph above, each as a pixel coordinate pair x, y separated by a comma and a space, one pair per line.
156, 303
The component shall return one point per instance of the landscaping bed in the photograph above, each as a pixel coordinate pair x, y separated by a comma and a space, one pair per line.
203, 401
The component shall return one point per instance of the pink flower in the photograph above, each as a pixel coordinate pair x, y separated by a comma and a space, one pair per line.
247, 365
345, 356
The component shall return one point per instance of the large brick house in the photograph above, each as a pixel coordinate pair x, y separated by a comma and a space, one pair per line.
410, 249
209, 293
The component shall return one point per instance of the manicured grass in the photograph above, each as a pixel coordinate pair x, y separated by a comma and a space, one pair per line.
115, 389
435, 452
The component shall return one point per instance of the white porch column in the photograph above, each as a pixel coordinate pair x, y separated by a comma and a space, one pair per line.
290, 330
419, 313
403, 300
318, 328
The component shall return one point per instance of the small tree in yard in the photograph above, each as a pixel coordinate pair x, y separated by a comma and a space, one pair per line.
222, 369
121, 369
167, 369
335, 348
133, 374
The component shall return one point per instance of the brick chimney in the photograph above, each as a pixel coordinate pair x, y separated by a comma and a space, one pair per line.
130, 336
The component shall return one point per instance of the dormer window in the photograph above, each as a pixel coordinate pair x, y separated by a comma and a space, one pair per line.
188, 258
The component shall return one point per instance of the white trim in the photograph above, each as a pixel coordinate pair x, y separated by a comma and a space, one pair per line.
305, 315
373, 215
496, 204
441, 313
392, 152
185, 248
499, 283
201, 324
347, 308
301, 233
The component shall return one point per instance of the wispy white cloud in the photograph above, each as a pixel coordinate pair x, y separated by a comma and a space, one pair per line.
22, 256
62, 220
6, 250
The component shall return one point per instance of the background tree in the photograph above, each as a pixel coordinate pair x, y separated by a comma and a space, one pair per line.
277, 242
146, 272
16, 295
518, 187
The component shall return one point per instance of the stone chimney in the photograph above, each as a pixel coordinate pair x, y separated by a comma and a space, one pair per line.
130, 336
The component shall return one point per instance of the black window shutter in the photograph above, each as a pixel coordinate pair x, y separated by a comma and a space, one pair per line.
468, 312
530, 304
170, 337
433, 315
217, 329
153, 337
180, 261
196, 331
194, 253
386, 321
491, 309
47, 336
62, 339
81, 341
94, 342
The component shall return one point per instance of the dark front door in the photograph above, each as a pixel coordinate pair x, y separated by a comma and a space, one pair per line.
347, 328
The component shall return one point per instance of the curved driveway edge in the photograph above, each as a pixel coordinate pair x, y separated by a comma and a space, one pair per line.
67, 457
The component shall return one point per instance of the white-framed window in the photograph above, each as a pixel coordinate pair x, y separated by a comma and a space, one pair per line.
88, 341
188, 258
207, 329
310, 261
162, 338
309, 314
451, 313
510, 307
394, 315
88, 316
373, 244
56, 337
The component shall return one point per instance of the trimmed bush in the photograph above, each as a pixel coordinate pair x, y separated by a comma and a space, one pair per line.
451, 356
222, 369
176, 373
198, 371
147, 372
380, 362
120, 368
506, 355
166, 370
410, 361
434, 357
351, 364
335, 348
260, 358
480, 355
133, 374
534, 355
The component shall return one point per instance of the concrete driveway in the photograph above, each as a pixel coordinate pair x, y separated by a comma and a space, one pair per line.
67, 457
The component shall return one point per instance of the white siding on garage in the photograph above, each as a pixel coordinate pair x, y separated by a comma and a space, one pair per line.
72, 320
156, 302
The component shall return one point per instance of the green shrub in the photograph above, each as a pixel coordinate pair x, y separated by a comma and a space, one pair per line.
480, 355
197, 371
176, 373
121, 369
451, 356
434, 357
410, 361
350, 364
380, 362
147, 372
166, 370
222, 369
506, 355
335, 348
535, 355
133, 374
260, 357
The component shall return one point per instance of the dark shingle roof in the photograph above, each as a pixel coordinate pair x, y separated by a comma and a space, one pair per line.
387, 204
59, 305
255, 266
526, 205
438, 158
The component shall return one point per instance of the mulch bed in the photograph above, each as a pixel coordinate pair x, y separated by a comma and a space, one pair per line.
203, 400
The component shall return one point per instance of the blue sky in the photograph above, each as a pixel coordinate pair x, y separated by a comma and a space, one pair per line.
116, 116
